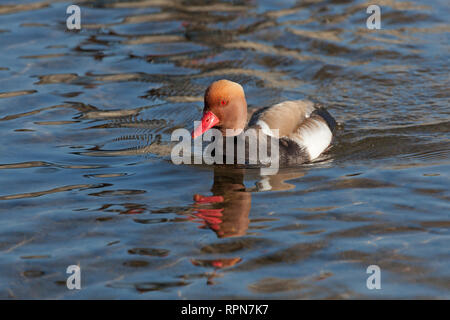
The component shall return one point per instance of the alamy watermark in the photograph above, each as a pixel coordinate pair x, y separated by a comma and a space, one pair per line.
73, 22
74, 280
252, 148
374, 280
374, 20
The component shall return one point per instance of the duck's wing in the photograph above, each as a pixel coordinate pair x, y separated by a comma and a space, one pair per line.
286, 117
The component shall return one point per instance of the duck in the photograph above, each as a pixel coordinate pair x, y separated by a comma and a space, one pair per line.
305, 129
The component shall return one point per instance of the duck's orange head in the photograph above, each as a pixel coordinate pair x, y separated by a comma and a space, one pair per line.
225, 108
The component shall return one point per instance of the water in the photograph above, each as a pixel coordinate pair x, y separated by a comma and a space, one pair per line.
85, 177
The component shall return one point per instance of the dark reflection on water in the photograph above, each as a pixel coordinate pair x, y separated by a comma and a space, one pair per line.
232, 203
86, 177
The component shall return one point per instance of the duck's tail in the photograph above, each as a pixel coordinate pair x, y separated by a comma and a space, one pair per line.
325, 115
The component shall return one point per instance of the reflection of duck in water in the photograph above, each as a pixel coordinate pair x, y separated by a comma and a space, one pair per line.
226, 212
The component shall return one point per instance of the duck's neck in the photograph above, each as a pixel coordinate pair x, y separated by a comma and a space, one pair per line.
231, 132
236, 123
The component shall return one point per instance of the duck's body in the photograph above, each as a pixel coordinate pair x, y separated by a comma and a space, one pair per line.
304, 130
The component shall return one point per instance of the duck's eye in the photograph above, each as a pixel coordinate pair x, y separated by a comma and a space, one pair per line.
223, 102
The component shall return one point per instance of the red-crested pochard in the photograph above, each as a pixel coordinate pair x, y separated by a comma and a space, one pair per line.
305, 129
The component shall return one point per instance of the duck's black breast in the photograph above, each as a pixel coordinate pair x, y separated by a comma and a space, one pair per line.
289, 152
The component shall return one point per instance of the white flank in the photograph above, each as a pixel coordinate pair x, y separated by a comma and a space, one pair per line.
315, 140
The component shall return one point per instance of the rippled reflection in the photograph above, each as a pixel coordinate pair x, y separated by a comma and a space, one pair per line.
226, 211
